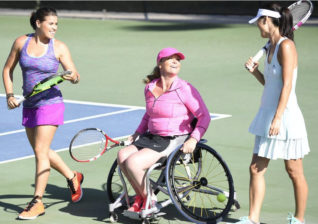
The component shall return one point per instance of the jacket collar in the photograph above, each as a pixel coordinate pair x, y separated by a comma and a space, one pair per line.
175, 85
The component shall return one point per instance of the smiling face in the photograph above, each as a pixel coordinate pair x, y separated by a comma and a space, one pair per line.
48, 26
170, 65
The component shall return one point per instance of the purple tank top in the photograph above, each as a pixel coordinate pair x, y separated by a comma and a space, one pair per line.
34, 69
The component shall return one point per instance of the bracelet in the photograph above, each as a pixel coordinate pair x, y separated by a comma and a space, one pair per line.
10, 95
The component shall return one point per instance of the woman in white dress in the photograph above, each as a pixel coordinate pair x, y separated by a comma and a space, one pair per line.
279, 126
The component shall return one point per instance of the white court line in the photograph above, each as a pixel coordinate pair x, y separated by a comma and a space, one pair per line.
219, 116
102, 104
120, 105
12, 132
76, 120
99, 115
90, 103
59, 150
130, 108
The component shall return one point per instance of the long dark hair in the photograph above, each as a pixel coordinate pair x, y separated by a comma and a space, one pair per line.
155, 74
40, 14
285, 22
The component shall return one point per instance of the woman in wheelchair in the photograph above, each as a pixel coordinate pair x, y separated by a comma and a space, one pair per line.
171, 106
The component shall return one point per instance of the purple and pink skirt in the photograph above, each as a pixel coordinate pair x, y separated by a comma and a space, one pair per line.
52, 114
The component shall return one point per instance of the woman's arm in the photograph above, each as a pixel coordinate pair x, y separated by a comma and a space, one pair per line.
7, 73
287, 57
254, 70
143, 126
64, 56
194, 102
196, 105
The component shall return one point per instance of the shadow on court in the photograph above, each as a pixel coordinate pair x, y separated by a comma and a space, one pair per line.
175, 27
94, 204
12, 208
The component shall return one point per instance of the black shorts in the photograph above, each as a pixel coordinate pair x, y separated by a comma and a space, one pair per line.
162, 144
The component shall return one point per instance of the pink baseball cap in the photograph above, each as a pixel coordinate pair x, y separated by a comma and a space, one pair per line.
167, 52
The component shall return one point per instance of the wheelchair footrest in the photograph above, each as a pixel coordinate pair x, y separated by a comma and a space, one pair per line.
137, 215
132, 215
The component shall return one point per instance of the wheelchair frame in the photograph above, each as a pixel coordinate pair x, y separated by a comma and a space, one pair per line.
181, 187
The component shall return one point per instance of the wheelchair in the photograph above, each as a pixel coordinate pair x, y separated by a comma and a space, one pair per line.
199, 185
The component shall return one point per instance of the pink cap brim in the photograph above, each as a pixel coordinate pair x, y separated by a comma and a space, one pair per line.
167, 52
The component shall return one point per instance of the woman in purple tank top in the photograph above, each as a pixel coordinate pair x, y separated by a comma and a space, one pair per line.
39, 55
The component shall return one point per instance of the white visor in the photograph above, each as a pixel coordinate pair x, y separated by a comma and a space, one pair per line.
264, 12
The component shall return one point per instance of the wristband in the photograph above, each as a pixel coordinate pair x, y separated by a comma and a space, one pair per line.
10, 95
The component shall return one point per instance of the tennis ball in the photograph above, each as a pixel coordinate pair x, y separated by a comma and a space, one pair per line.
221, 197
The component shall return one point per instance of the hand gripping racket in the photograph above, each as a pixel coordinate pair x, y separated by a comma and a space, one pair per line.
45, 84
91, 143
301, 11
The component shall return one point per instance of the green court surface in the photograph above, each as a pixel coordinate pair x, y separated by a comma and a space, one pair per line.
113, 57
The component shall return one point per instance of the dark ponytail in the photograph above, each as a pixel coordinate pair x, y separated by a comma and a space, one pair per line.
155, 74
285, 22
40, 14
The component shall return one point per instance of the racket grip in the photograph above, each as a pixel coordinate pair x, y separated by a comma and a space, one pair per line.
125, 143
259, 55
20, 100
256, 58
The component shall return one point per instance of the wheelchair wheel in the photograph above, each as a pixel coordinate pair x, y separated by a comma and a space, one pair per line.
200, 184
115, 186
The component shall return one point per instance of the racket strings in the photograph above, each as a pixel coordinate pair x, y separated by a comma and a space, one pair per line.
300, 12
88, 144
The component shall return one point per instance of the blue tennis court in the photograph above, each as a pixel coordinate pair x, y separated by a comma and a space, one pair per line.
115, 120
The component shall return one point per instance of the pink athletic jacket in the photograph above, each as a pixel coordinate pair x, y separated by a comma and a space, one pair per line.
171, 113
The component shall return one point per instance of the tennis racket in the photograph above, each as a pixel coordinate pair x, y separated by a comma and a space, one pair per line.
45, 84
91, 143
301, 11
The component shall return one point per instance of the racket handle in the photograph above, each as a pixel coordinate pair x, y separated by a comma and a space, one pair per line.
20, 100
256, 58
259, 55
125, 143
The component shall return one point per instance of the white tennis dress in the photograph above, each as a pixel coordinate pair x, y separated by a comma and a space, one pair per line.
291, 142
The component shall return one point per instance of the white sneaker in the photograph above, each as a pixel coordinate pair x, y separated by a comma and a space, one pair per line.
292, 220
